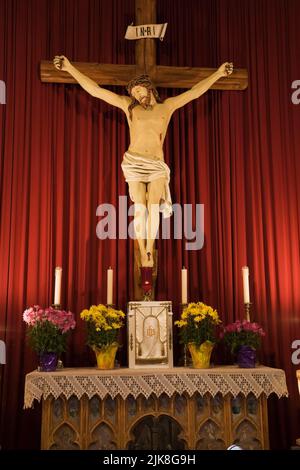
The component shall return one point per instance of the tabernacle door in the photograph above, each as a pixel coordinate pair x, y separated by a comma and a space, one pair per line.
150, 339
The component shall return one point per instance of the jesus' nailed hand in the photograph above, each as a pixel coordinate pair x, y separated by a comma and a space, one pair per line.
143, 163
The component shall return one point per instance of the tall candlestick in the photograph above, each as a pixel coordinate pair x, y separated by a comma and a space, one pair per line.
57, 288
110, 276
184, 285
245, 273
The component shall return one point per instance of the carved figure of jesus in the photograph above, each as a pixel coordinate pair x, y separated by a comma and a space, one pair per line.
143, 163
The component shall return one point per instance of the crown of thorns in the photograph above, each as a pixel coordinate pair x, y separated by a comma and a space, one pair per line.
142, 80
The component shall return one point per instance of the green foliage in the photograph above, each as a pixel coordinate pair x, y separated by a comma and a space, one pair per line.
46, 337
100, 338
242, 333
234, 340
198, 333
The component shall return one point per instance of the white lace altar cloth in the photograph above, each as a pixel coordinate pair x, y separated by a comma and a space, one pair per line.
135, 382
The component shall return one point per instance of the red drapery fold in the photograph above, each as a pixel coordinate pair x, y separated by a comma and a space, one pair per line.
234, 152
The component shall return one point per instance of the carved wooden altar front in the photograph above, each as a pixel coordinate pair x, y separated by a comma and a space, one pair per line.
185, 420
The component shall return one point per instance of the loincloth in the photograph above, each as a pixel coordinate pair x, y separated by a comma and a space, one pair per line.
145, 170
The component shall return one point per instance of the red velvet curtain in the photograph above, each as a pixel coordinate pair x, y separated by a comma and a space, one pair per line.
235, 152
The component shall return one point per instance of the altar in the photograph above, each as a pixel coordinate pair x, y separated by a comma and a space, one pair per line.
177, 408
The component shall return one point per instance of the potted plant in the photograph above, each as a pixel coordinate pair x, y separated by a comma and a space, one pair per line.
198, 331
243, 338
47, 333
103, 326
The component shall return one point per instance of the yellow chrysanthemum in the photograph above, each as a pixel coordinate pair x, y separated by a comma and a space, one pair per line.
193, 317
198, 318
181, 323
103, 325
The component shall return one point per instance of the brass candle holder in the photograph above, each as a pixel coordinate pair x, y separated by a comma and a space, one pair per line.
183, 306
56, 306
60, 364
247, 309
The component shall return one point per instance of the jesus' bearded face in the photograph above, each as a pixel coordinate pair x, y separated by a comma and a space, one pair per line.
142, 95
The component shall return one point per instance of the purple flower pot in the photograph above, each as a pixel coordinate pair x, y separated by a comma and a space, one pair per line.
246, 357
48, 362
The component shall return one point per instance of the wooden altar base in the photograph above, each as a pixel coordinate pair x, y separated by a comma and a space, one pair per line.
157, 423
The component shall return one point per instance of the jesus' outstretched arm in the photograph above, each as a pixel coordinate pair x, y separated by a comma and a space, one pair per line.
62, 63
200, 88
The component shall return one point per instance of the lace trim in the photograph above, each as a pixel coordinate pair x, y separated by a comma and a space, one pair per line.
125, 382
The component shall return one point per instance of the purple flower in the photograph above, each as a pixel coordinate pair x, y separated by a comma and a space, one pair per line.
242, 332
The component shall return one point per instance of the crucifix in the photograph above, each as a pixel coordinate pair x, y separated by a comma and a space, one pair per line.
88, 75
145, 56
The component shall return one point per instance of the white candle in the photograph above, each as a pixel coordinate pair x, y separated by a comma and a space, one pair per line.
245, 273
110, 277
57, 288
184, 285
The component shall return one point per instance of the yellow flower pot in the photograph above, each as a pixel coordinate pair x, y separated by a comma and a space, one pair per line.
106, 356
201, 354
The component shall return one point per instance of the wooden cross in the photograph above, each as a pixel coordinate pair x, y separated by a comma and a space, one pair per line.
145, 56
162, 76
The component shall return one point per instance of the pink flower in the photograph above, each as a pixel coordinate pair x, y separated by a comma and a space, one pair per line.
62, 319
242, 333
244, 325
